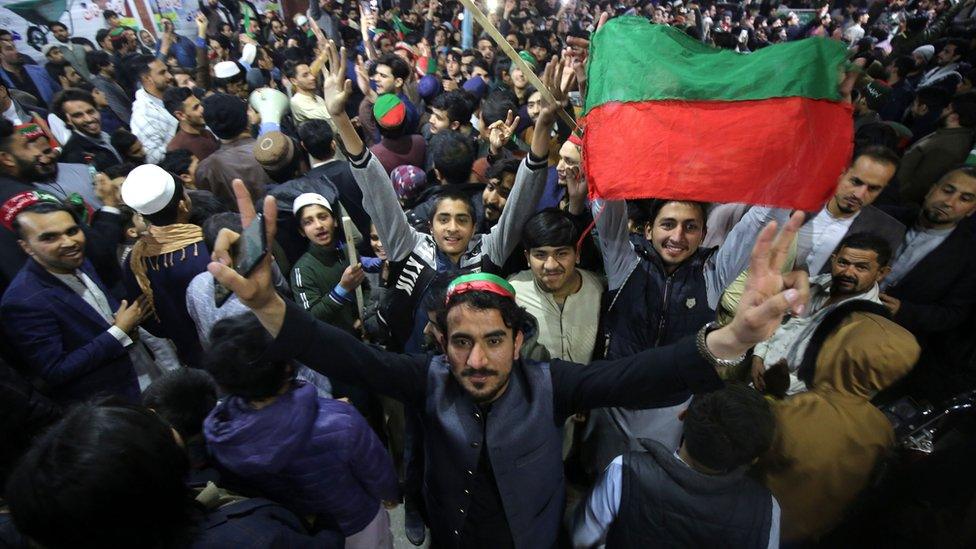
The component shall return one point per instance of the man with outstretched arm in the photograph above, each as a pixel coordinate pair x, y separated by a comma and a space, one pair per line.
493, 423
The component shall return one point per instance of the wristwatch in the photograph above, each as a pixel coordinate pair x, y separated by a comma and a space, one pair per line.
721, 363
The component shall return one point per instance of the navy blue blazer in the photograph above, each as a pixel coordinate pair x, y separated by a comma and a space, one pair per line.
46, 86
64, 339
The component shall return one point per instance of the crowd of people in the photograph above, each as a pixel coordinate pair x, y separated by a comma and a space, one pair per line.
267, 282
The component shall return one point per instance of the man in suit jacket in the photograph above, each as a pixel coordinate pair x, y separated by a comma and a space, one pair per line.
32, 79
849, 211
932, 286
60, 316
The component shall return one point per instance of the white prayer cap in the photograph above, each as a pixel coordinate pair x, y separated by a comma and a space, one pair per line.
300, 20
926, 51
248, 53
307, 199
226, 69
148, 189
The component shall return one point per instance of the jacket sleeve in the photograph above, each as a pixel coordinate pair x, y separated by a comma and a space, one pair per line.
323, 303
37, 335
938, 316
336, 354
733, 255
619, 257
530, 183
910, 186
634, 381
383, 207
369, 461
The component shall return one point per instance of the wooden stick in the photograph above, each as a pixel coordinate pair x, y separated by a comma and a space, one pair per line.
517, 59
350, 229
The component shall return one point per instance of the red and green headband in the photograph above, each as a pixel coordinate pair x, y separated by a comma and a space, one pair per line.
21, 201
480, 282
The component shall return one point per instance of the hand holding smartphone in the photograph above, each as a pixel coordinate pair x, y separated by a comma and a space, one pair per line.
250, 249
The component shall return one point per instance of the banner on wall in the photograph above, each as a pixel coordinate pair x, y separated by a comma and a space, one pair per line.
183, 12
28, 19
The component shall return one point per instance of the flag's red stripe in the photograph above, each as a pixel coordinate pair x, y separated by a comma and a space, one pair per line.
784, 152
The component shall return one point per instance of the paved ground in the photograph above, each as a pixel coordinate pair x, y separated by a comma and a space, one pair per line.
399, 538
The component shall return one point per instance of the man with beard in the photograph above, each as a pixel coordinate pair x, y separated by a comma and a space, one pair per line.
184, 104
32, 79
492, 421
69, 328
935, 154
856, 269
932, 288
88, 144
28, 164
501, 179
151, 123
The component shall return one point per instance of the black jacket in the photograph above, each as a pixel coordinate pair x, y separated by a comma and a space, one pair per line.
938, 294
79, 149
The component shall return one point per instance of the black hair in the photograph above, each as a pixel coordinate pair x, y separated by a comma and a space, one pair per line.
100, 37
235, 360
85, 473
6, 133
483, 64
502, 66
398, 67
169, 213
139, 65
452, 156
53, 24
515, 318
878, 153
495, 107
225, 115
119, 170
962, 48
108, 14
456, 104
204, 206
868, 241
964, 106
177, 161
123, 140
658, 203
502, 167
43, 207
222, 40
96, 60
57, 70
221, 220
905, 65
728, 428
174, 96
316, 137
549, 227
452, 194
70, 94
290, 68
182, 397
933, 97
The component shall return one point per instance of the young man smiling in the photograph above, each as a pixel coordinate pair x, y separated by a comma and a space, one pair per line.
492, 422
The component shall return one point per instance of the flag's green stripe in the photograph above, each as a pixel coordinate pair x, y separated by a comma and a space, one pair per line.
634, 60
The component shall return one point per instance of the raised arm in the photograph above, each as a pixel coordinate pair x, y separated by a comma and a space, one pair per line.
619, 257
530, 180
732, 256
379, 198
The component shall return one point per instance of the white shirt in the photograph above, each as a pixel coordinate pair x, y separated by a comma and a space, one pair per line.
12, 115
819, 238
153, 125
918, 243
146, 369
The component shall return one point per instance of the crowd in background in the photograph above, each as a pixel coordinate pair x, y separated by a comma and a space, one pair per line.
417, 193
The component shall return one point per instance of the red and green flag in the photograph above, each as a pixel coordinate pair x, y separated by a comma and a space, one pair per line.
669, 117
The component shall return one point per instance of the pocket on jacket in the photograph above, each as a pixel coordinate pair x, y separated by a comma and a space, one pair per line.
532, 456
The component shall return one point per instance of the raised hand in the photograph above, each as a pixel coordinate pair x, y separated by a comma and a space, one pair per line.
201, 21
256, 291
336, 88
500, 132
769, 294
552, 78
362, 78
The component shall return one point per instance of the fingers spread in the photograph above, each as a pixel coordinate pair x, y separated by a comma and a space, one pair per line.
759, 259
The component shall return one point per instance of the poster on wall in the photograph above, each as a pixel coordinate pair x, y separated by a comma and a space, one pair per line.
183, 12
28, 20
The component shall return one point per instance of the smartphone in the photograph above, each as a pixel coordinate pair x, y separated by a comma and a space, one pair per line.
250, 250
